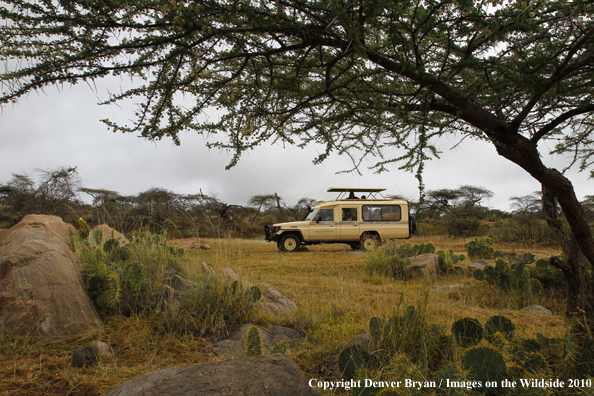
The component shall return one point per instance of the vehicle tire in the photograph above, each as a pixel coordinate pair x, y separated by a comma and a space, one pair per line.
290, 243
368, 242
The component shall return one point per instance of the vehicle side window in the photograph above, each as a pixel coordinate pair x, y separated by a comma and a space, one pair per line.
349, 214
325, 215
381, 212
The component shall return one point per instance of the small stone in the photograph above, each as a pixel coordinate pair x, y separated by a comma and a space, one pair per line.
449, 288
90, 354
537, 309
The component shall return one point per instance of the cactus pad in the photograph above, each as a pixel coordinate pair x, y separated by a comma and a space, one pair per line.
484, 364
467, 332
499, 324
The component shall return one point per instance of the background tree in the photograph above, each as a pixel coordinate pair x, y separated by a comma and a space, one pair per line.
527, 205
358, 77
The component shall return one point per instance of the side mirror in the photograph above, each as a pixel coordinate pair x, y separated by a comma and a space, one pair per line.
319, 219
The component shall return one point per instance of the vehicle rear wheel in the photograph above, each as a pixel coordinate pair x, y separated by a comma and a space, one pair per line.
369, 242
290, 243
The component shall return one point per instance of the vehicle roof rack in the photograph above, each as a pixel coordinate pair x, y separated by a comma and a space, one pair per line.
373, 192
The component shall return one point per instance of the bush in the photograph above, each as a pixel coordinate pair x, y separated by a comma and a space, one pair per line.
386, 261
526, 231
135, 279
482, 248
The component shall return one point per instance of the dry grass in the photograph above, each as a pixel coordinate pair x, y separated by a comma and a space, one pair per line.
335, 300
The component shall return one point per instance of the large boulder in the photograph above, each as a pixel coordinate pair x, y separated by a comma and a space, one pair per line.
41, 288
108, 233
272, 301
268, 375
422, 266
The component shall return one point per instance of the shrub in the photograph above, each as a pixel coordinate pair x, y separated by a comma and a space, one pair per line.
482, 248
526, 231
135, 279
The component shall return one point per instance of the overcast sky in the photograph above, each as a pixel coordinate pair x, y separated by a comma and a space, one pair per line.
62, 128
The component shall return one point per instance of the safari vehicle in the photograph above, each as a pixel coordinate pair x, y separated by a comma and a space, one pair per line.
362, 222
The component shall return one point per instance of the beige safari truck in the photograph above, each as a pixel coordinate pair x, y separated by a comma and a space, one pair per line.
359, 217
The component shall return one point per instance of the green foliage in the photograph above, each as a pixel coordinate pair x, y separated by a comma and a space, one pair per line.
499, 324
386, 262
517, 277
548, 275
484, 364
536, 364
482, 248
134, 279
352, 359
447, 259
467, 332
281, 347
391, 260
528, 232
253, 342
254, 293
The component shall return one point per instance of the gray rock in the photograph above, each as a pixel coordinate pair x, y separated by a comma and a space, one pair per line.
449, 288
536, 309
274, 302
330, 365
206, 269
268, 375
270, 335
231, 276
107, 233
364, 340
41, 288
90, 354
478, 264
181, 284
423, 266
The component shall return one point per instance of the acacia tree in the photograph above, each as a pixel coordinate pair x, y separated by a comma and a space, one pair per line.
357, 76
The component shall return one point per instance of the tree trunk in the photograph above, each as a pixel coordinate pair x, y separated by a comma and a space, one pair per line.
580, 297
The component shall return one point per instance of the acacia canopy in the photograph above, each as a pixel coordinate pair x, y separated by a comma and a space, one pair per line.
360, 77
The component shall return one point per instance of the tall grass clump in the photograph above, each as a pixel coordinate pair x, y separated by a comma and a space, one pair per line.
527, 232
137, 278
387, 260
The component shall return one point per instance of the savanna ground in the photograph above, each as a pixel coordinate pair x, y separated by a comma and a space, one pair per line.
335, 300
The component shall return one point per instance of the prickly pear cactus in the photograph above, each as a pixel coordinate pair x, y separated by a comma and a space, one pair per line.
534, 286
376, 329
467, 332
353, 358
536, 364
499, 324
124, 253
281, 347
479, 274
484, 364
254, 293
482, 248
111, 246
253, 343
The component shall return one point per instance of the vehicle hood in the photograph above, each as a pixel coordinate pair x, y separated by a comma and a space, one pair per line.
291, 224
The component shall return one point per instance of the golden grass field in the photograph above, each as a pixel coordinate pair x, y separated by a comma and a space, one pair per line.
335, 300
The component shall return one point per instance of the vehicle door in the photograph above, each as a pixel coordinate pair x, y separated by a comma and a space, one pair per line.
323, 226
349, 223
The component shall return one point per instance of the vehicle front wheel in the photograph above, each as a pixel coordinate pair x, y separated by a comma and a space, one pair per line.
290, 243
369, 242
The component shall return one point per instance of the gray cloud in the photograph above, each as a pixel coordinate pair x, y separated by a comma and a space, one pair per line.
63, 128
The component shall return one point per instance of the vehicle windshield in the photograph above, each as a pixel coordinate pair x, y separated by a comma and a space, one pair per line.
310, 214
